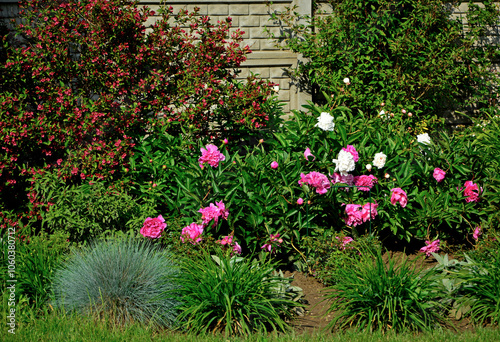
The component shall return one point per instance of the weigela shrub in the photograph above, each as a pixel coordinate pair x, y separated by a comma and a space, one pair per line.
84, 79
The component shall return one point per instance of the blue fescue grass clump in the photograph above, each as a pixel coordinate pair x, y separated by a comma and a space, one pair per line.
120, 280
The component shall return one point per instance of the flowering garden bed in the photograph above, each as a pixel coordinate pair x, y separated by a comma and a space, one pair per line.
141, 190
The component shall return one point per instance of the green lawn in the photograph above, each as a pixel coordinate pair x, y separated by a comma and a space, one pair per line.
69, 328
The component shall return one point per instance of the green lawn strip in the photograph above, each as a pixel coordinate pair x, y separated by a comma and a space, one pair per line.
73, 328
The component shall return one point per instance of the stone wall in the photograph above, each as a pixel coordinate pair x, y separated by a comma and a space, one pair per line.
252, 16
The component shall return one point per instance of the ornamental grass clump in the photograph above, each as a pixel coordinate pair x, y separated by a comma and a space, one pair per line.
481, 293
121, 280
375, 295
232, 295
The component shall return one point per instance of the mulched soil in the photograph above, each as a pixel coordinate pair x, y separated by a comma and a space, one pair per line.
316, 319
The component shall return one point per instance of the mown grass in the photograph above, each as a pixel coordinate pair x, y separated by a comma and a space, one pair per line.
59, 327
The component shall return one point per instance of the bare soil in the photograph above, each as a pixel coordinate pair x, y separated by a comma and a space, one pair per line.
316, 319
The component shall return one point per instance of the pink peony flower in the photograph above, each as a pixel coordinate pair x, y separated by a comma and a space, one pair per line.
273, 240
471, 191
300, 201
267, 247
153, 227
369, 211
354, 216
307, 154
237, 248
192, 233
430, 247
477, 233
316, 180
211, 155
438, 174
338, 178
352, 150
365, 182
213, 212
399, 195
226, 240
274, 165
345, 241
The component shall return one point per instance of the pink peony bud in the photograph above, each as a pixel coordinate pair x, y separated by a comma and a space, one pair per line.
274, 165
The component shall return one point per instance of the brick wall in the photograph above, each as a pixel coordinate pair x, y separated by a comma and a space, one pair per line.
252, 16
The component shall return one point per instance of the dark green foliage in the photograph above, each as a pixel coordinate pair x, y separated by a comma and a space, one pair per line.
85, 211
232, 295
408, 54
36, 259
376, 295
481, 287
119, 279
326, 254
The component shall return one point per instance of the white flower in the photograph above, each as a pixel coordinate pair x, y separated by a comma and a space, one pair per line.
383, 115
325, 122
387, 176
276, 88
369, 167
347, 81
379, 160
344, 163
424, 138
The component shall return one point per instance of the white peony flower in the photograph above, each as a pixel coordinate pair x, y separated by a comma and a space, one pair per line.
368, 167
344, 163
379, 160
325, 122
384, 115
347, 81
424, 138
